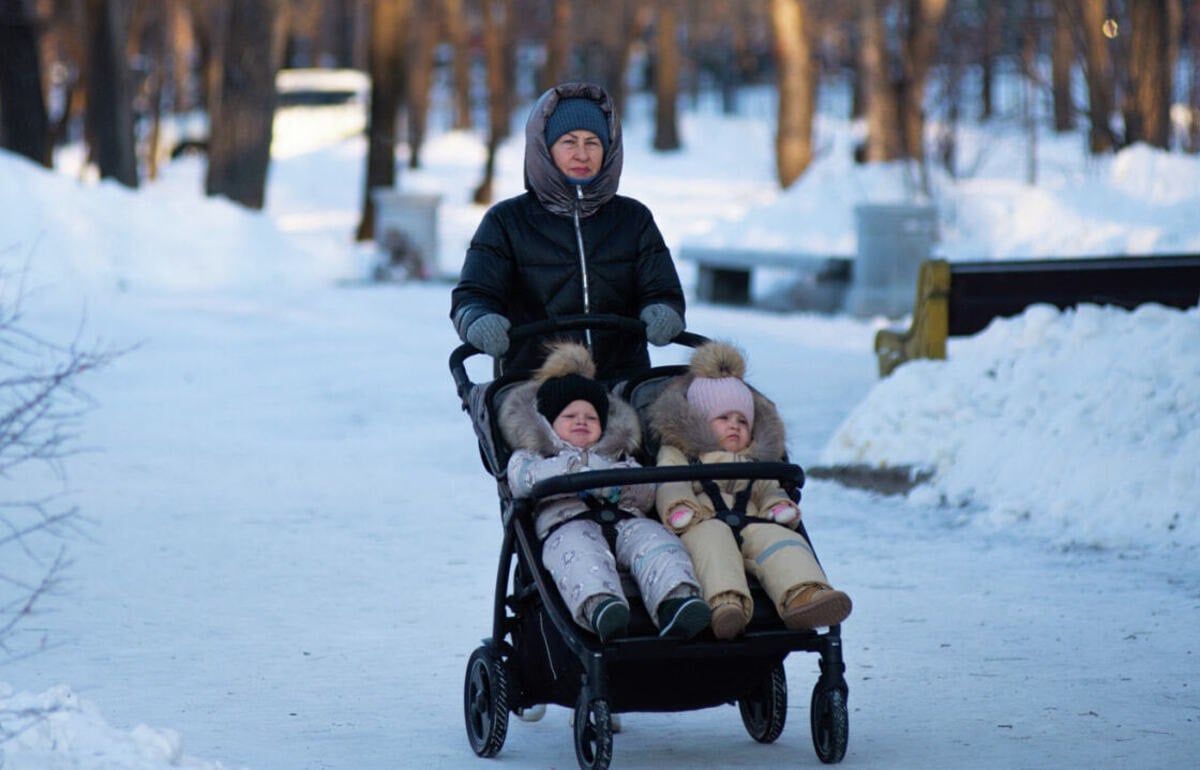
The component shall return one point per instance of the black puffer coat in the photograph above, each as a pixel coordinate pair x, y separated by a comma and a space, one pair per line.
524, 261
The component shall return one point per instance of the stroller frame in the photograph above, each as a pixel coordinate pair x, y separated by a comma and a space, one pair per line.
537, 654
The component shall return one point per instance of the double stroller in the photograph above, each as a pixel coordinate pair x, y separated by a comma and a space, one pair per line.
537, 655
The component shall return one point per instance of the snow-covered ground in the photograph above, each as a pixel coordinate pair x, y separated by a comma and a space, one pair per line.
290, 543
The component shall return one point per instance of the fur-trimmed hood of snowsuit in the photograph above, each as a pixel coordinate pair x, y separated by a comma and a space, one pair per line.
681, 425
540, 454
523, 427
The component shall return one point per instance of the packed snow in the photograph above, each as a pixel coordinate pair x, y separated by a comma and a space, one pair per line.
290, 541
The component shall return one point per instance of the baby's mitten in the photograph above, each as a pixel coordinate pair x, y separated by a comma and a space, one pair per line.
680, 518
784, 514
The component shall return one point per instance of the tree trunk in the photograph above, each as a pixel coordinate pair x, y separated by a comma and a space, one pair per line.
924, 26
1099, 75
993, 32
385, 56
798, 79
456, 26
239, 150
884, 142
25, 126
109, 112
1192, 140
497, 16
666, 77
558, 42
618, 43
158, 55
62, 44
1061, 58
1151, 70
423, 40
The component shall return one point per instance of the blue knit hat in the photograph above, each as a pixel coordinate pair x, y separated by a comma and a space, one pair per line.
573, 115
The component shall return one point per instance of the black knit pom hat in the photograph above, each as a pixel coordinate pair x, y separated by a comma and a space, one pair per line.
556, 393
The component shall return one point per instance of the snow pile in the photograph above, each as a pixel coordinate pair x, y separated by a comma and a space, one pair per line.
1082, 425
58, 730
88, 236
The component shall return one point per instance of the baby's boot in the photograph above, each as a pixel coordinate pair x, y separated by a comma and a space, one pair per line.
728, 616
814, 605
682, 617
610, 619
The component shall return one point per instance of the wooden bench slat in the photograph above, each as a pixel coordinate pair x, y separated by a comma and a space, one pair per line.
962, 298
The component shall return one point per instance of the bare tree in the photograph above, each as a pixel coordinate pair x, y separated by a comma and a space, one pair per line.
109, 110
884, 139
798, 81
917, 54
41, 405
1098, 72
458, 30
497, 37
1147, 117
992, 35
242, 109
24, 122
1061, 58
387, 62
1192, 138
666, 77
558, 43
422, 41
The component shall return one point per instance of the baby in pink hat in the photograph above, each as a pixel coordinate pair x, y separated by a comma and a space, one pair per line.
710, 415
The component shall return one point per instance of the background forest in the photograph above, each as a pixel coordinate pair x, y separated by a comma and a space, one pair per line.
114, 73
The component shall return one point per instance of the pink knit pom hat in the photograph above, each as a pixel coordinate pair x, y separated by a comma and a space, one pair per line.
714, 397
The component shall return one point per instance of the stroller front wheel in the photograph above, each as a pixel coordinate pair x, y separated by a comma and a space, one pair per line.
485, 702
593, 733
830, 723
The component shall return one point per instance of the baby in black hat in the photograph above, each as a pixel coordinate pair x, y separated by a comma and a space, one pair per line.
563, 421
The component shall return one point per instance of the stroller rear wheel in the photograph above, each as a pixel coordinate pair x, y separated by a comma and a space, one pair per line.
593, 733
830, 723
764, 709
485, 702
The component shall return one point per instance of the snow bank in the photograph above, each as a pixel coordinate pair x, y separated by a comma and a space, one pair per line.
1082, 425
58, 730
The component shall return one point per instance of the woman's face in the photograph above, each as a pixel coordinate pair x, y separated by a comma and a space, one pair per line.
732, 431
578, 424
578, 154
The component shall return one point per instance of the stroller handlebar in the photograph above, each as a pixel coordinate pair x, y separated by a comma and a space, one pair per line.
785, 473
459, 356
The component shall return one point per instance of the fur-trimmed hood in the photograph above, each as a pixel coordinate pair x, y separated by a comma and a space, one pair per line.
681, 425
523, 427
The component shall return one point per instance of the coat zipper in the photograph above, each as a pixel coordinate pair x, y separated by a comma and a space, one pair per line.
583, 271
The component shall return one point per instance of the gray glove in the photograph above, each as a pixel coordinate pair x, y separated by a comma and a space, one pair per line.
489, 333
662, 324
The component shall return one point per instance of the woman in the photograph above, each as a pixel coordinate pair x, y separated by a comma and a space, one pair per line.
569, 245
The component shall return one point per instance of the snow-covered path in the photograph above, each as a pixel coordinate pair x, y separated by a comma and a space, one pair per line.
294, 548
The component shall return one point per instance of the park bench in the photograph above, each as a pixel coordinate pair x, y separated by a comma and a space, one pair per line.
723, 274
961, 298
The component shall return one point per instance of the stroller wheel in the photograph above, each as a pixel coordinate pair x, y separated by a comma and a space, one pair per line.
593, 733
764, 709
830, 723
485, 702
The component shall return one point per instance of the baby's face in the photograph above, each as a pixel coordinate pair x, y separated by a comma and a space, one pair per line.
578, 424
732, 431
